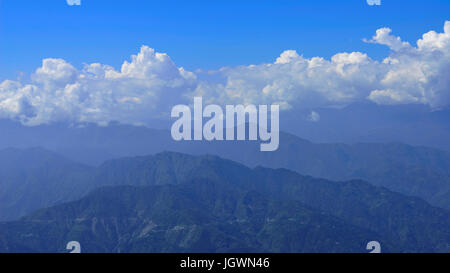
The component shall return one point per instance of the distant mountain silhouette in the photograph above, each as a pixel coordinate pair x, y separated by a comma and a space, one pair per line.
414, 171
36, 178
413, 124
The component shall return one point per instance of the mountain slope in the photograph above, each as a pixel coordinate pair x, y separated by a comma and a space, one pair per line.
199, 216
406, 220
35, 178
405, 223
414, 171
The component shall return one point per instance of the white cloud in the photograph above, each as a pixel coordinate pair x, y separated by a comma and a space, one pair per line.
384, 37
150, 83
287, 56
410, 74
141, 90
74, 2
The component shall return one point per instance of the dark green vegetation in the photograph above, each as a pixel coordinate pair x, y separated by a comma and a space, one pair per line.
183, 218
174, 202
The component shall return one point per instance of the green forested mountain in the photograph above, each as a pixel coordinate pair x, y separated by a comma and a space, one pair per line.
200, 216
356, 201
216, 205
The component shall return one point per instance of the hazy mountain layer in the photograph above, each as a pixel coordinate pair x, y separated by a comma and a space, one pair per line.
36, 178
403, 224
414, 171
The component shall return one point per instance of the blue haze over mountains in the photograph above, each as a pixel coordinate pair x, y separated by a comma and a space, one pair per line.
119, 189
173, 202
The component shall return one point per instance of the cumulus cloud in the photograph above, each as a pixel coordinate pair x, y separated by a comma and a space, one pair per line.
410, 74
144, 88
150, 83
416, 74
73, 2
383, 37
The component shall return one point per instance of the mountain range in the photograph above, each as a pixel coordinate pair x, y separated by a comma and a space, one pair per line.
410, 170
173, 202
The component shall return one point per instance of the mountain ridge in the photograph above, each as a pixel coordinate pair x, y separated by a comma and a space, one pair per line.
405, 223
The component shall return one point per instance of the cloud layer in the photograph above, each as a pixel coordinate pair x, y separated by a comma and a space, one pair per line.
150, 84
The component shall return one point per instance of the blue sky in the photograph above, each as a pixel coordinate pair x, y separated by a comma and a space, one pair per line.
102, 60
202, 34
